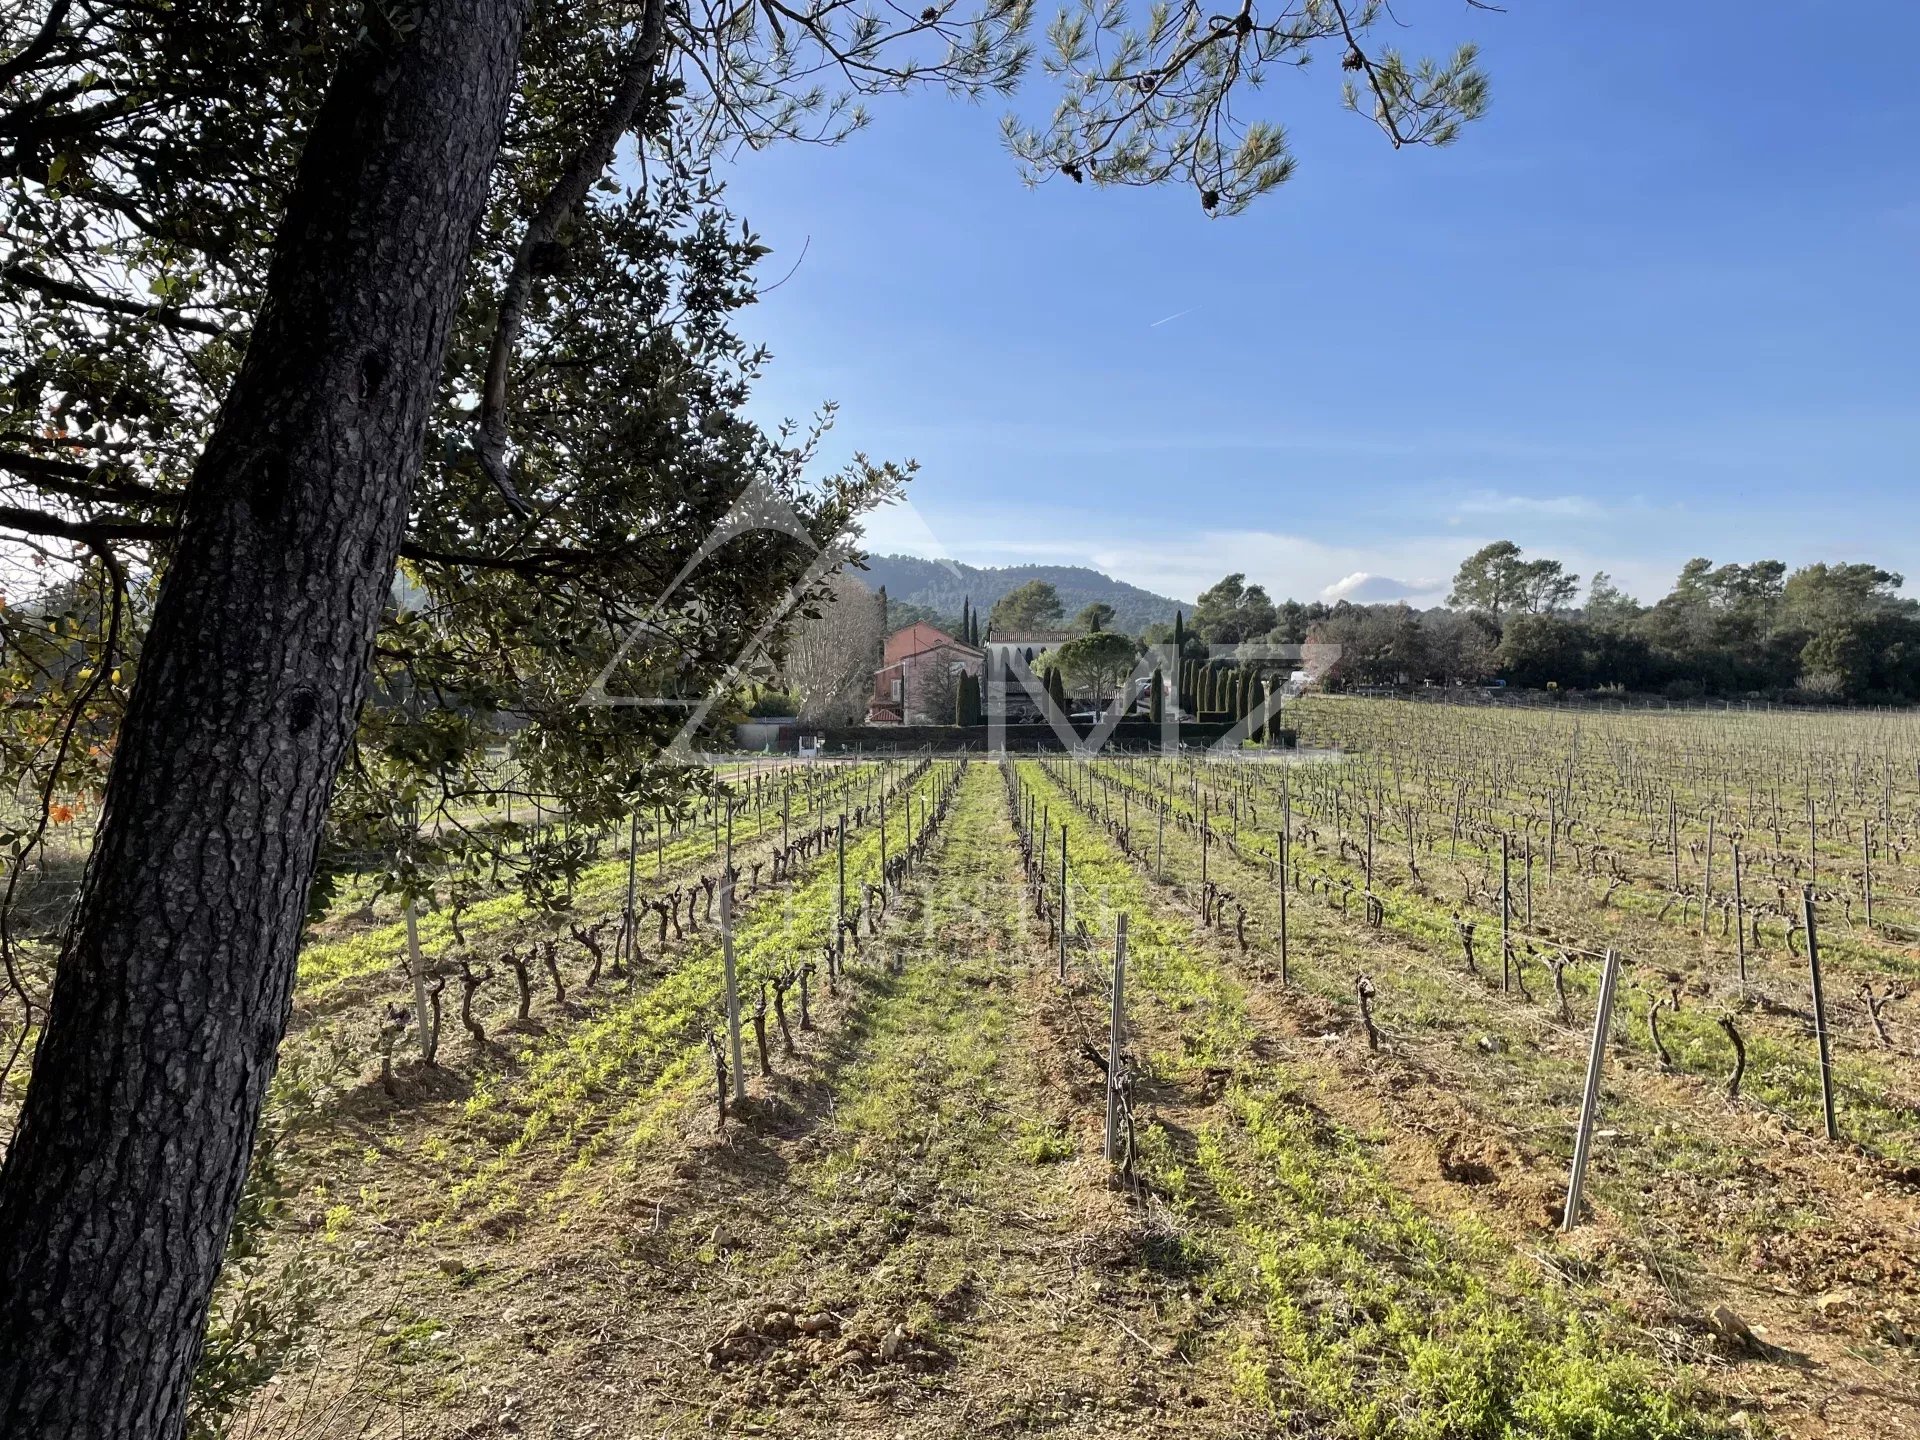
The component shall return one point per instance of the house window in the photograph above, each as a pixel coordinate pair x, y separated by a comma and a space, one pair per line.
896, 687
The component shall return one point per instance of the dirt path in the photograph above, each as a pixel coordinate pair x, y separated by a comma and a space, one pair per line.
908, 1232
931, 1199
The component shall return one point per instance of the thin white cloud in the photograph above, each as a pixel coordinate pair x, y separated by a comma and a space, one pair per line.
1494, 502
1181, 563
1289, 566
1363, 588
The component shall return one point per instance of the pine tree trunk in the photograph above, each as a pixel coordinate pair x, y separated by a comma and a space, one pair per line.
174, 989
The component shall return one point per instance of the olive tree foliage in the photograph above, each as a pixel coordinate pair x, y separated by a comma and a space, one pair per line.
590, 435
144, 154
832, 651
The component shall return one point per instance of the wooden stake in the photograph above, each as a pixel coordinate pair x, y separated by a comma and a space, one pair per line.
1739, 918
1590, 1096
1706, 880
1506, 910
733, 987
1063, 900
1283, 908
1115, 1036
1866, 866
1819, 1012
630, 938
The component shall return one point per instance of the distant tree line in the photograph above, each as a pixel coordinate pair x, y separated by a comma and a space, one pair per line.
1822, 632
1839, 632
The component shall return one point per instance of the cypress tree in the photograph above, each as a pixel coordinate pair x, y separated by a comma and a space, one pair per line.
1157, 697
966, 700
1056, 691
1179, 659
966, 615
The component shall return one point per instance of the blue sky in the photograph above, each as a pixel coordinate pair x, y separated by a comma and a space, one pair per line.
1661, 302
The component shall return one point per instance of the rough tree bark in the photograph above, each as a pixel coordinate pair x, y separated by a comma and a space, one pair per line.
173, 991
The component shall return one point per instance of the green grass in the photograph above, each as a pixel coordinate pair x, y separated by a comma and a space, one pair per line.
615, 1077
327, 965
1374, 1320
1781, 1070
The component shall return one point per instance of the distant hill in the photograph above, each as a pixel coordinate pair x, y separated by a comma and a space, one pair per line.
932, 584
